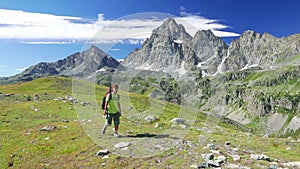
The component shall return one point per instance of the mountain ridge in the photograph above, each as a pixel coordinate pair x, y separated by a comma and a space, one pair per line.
172, 51
80, 64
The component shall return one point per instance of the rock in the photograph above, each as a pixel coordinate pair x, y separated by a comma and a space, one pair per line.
178, 121
211, 146
102, 152
207, 157
10, 163
85, 103
260, 157
273, 167
235, 157
151, 119
212, 163
227, 143
105, 157
194, 166
48, 128
203, 165
292, 164
122, 145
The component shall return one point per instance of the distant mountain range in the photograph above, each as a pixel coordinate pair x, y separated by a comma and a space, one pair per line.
171, 49
80, 64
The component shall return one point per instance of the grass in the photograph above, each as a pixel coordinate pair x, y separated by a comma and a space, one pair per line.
75, 141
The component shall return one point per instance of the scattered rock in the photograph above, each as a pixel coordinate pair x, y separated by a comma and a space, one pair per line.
85, 103
211, 146
178, 121
151, 119
122, 145
48, 128
102, 152
227, 143
235, 157
260, 157
292, 164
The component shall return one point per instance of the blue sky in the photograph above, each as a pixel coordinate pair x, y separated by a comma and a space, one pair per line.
32, 31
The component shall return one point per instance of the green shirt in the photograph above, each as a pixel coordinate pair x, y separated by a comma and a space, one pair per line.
112, 106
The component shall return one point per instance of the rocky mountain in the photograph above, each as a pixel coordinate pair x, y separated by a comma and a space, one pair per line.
171, 48
80, 64
163, 49
263, 50
254, 81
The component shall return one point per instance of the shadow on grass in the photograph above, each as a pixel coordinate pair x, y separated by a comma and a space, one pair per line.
143, 135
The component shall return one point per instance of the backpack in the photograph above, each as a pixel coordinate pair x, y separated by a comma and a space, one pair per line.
104, 98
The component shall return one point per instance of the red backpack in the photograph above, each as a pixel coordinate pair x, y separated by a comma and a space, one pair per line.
104, 98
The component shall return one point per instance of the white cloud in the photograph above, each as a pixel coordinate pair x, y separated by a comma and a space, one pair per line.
40, 28
22, 69
48, 42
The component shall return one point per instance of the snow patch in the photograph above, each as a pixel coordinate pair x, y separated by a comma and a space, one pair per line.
200, 64
219, 68
178, 41
204, 74
247, 66
120, 60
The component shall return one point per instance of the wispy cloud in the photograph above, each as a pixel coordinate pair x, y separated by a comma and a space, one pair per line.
22, 69
2, 66
41, 28
49, 42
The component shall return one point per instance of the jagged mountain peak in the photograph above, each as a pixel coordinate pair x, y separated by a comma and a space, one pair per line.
171, 28
95, 51
204, 32
250, 34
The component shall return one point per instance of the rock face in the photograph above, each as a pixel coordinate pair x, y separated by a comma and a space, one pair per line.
171, 48
80, 64
265, 51
163, 49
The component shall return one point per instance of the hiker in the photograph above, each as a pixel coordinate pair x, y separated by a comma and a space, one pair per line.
113, 109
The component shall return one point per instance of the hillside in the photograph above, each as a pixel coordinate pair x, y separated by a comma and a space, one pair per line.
45, 125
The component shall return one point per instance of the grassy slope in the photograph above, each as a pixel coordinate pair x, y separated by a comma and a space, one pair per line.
22, 142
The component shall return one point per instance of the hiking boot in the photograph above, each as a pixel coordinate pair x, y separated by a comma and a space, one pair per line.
104, 129
116, 134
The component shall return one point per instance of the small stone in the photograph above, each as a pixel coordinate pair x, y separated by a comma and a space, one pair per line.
105, 157
227, 143
193, 166
235, 157
211, 146
102, 152
203, 165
